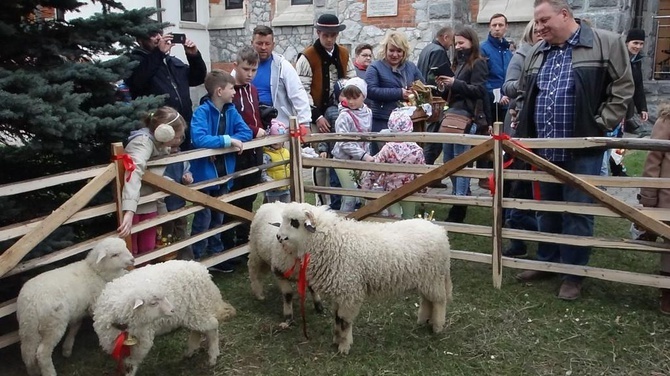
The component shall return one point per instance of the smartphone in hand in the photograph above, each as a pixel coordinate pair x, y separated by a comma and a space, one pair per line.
178, 38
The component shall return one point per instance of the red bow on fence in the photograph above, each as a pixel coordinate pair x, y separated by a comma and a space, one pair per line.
128, 164
300, 132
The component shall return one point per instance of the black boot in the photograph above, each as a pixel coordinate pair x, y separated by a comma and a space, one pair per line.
457, 213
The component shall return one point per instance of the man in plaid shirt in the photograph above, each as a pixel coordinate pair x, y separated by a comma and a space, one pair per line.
576, 83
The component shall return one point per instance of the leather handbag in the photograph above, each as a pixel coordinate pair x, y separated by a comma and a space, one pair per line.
455, 123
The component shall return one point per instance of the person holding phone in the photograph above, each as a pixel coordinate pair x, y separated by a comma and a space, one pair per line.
159, 73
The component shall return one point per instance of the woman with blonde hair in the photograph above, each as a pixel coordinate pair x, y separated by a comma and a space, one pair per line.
389, 80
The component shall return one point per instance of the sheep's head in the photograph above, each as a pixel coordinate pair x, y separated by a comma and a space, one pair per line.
110, 257
150, 307
299, 221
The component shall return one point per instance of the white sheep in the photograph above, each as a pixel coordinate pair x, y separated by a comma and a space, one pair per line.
56, 299
266, 253
159, 298
351, 260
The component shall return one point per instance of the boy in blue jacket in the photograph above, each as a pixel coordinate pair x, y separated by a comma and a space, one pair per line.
215, 124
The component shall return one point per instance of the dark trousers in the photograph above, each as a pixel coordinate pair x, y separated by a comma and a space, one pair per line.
432, 151
240, 234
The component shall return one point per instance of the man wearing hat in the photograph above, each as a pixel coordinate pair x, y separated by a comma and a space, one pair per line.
159, 73
319, 67
635, 44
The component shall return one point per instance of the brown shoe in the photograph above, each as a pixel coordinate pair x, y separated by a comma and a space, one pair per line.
665, 302
570, 290
533, 275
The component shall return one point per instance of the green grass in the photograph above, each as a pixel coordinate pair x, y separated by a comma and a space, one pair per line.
522, 329
634, 162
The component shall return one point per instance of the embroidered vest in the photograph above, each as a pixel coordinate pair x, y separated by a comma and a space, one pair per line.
317, 89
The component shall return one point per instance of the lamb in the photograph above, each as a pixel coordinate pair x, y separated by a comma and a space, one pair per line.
265, 254
350, 261
56, 299
159, 298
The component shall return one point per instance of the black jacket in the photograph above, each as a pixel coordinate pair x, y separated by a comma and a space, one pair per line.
603, 84
639, 100
469, 85
158, 74
433, 55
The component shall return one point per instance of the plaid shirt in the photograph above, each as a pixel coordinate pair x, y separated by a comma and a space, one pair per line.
555, 103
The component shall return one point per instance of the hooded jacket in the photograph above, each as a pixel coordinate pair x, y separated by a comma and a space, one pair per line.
352, 121
141, 147
205, 134
497, 56
160, 74
603, 84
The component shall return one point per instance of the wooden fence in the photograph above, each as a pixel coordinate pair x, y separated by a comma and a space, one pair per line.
76, 209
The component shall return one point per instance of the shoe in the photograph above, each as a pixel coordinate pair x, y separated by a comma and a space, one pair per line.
457, 214
570, 290
515, 252
533, 275
437, 184
224, 267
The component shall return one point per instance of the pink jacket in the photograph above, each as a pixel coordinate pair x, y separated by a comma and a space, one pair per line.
394, 152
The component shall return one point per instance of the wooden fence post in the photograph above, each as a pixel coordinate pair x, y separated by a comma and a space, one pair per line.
117, 150
297, 183
497, 207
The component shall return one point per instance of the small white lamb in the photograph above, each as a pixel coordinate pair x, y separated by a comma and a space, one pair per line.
157, 299
266, 253
56, 299
350, 261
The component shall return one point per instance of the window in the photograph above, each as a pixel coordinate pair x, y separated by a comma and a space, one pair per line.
514, 10
293, 13
234, 4
188, 10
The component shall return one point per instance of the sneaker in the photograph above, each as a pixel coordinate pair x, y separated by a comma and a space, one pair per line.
224, 267
437, 184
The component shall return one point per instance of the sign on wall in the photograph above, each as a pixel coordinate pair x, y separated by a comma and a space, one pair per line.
382, 8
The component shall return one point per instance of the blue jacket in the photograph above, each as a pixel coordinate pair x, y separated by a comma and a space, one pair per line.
205, 134
498, 57
385, 86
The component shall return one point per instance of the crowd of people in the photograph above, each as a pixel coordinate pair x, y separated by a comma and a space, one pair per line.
563, 79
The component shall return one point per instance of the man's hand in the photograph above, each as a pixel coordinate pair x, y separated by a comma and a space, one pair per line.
323, 154
644, 115
323, 124
190, 47
261, 133
165, 43
504, 100
187, 178
237, 144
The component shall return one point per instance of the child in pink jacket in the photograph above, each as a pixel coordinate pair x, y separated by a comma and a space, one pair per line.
396, 152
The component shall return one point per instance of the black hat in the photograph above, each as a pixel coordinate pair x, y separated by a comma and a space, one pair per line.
329, 23
635, 34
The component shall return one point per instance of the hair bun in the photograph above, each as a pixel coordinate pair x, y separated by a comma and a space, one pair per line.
164, 133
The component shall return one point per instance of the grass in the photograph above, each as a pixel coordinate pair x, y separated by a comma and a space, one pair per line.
522, 329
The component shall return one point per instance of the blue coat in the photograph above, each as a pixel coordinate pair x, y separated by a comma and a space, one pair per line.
385, 88
498, 57
204, 134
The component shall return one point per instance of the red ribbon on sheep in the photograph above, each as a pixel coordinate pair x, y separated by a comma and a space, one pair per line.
120, 351
302, 287
128, 164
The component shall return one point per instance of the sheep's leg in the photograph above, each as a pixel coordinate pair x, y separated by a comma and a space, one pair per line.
345, 317
213, 345
138, 352
29, 345
69, 337
51, 335
425, 311
439, 315
336, 327
438, 294
316, 299
287, 300
193, 343
257, 268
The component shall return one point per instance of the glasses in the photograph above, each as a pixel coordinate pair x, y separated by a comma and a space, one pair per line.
365, 55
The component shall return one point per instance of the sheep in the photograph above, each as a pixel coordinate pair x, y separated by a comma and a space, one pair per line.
157, 299
56, 299
350, 261
265, 254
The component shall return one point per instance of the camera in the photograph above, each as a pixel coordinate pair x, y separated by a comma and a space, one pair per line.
178, 38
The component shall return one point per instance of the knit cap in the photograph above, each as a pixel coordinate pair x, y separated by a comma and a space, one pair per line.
400, 122
635, 34
359, 83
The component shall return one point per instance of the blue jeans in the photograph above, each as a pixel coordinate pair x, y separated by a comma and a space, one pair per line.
568, 223
460, 185
204, 220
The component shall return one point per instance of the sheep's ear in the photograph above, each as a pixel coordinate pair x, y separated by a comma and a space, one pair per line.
310, 221
138, 302
101, 256
274, 224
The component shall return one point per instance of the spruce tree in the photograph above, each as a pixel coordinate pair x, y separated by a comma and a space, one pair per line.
58, 109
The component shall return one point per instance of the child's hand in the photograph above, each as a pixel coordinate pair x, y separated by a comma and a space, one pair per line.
187, 178
126, 224
323, 154
368, 158
237, 144
261, 133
